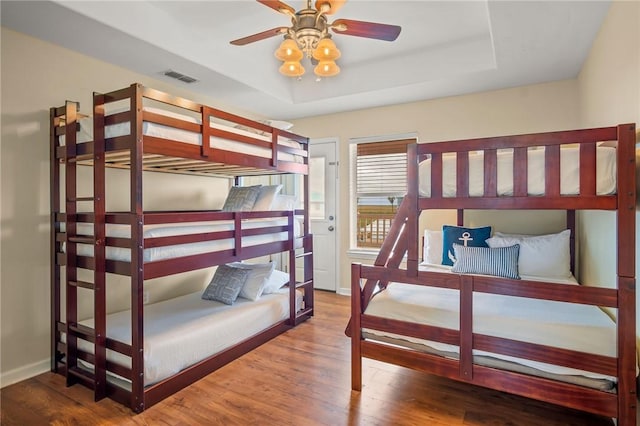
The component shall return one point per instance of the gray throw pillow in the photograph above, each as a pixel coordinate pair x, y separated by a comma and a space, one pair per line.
241, 198
226, 284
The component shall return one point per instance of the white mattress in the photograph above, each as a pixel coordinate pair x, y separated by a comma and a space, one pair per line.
179, 250
569, 173
183, 331
563, 325
166, 132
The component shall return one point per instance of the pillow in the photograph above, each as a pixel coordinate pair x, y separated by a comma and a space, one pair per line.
501, 261
255, 282
284, 202
432, 251
267, 194
226, 284
276, 281
241, 198
470, 237
279, 124
543, 255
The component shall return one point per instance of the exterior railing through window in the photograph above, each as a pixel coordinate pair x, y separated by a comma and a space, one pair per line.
373, 226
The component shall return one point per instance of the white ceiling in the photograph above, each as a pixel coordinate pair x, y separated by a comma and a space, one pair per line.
445, 48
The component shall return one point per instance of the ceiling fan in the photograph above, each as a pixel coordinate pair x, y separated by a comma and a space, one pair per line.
309, 35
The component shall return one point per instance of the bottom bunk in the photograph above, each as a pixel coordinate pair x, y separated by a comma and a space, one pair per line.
449, 324
188, 337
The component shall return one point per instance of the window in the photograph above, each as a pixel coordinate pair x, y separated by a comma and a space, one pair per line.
380, 184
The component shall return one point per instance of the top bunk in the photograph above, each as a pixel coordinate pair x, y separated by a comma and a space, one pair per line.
174, 135
567, 170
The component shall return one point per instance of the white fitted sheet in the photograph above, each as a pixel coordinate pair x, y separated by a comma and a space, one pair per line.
179, 250
167, 132
182, 331
569, 173
564, 325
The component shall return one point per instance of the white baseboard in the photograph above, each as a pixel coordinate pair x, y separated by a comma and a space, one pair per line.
22, 373
344, 291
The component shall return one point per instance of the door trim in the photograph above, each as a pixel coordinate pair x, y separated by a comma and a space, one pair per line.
335, 141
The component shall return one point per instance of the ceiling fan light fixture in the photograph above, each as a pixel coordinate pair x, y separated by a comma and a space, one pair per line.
326, 50
330, 7
288, 51
292, 69
326, 69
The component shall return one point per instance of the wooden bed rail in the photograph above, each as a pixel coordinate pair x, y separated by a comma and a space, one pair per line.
464, 369
169, 156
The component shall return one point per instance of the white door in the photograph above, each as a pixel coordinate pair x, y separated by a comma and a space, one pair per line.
323, 181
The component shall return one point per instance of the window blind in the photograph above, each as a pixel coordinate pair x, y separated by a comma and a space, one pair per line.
381, 168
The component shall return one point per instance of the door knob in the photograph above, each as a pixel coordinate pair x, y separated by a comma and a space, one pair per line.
331, 228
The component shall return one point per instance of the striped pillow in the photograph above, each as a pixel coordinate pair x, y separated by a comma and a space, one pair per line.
501, 262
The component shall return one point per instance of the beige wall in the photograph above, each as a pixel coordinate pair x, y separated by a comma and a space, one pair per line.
543, 107
610, 94
35, 76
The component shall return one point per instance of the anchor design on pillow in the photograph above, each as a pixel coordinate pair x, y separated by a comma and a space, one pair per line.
466, 237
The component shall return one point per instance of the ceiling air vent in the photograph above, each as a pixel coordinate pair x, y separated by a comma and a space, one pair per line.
179, 76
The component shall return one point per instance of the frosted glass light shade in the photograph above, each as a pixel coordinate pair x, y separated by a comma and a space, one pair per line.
334, 5
288, 51
292, 69
326, 50
326, 69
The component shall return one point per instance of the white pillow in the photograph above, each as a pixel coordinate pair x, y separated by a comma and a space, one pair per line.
267, 194
540, 256
432, 250
284, 202
258, 275
276, 281
279, 124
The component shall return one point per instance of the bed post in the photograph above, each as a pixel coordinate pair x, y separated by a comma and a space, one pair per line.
626, 254
137, 273
412, 224
99, 272
54, 202
356, 332
571, 225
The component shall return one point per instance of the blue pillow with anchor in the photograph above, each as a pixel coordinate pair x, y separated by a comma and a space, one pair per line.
468, 237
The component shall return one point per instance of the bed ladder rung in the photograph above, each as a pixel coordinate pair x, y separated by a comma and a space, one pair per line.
86, 377
308, 253
84, 240
83, 284
80, 199
84, 332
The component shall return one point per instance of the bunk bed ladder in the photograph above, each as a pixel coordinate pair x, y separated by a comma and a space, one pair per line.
95, 380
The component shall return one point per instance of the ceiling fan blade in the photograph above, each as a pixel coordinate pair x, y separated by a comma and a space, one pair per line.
333, 5
366, 29
259, 36
278, 6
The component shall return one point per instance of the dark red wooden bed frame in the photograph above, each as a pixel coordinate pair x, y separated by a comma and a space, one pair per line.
404, 239
138, 152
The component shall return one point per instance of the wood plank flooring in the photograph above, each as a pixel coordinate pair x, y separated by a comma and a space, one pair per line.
300, 378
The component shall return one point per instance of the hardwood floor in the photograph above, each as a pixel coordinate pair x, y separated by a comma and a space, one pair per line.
300, 378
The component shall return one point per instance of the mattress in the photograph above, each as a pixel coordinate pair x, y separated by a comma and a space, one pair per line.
182, 331
154, 254
172, 133
569, 172
558, 324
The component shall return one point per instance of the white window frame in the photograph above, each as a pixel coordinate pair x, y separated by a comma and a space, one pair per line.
353, 199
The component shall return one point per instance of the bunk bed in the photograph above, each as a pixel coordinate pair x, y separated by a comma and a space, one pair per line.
140, 356
539, 337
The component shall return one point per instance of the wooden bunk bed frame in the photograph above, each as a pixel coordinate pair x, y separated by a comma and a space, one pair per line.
367, 281
139, 152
